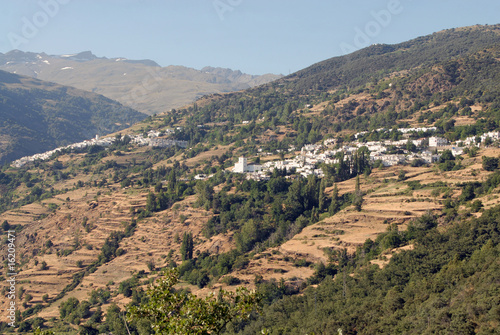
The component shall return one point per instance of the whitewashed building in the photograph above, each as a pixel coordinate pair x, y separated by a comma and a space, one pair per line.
436, 141
243, 167
457, 151
494, 135
429, 157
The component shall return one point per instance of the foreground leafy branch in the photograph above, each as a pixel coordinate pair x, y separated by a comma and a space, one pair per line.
173, 312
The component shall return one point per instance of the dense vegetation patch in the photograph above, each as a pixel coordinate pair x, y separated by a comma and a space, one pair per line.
448, 283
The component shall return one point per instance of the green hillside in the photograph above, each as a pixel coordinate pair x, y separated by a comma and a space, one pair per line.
376, 61
361, 71
447, 283
37, 116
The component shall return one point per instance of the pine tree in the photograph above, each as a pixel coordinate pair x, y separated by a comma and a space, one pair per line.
184, 247
172, 180
151, 202
190, 246
357, 200
321, 196
334, 205
314, 215
311, 192
187, 246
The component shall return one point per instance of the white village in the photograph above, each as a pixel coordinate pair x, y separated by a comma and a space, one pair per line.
153, 139
306, 161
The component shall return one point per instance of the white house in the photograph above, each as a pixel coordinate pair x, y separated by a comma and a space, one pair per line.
429, 157
389, 160
457, 151
435, 141
242, 166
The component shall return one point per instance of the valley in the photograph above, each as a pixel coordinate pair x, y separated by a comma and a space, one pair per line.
353, 194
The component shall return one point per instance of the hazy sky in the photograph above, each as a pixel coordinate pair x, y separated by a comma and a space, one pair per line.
254, 36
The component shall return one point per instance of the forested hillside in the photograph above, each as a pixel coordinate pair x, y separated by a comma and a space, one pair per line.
427, 70
447, 283
37, 116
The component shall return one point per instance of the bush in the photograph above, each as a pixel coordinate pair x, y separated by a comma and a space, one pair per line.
203, 280
476, 206
231, 280
68, 307
417, 162
126, 286
151, 265
490, 163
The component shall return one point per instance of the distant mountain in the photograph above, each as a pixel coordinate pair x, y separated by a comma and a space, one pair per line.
37, 116
140, 84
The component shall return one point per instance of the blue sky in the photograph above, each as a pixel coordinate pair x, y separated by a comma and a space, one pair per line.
254, 36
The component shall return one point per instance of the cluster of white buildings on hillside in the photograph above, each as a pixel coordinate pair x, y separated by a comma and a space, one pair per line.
401, 130
300, 164
311, 155
103, 142
152, 139
493, 135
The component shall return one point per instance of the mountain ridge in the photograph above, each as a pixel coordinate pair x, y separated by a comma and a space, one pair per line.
142, 84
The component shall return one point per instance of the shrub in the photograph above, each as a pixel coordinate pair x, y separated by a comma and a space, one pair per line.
490, 163
231, 280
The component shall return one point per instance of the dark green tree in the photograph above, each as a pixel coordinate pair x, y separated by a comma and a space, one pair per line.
334, 205
5, 225
357, 199
248, 235
187, 246
446, 155
115, 321
411, 147
68, 307
151, 202
490, 163
322, 196
468, 192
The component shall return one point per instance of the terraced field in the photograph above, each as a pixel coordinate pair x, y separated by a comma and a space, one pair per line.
78, 222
